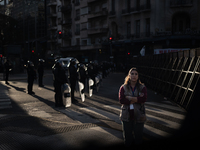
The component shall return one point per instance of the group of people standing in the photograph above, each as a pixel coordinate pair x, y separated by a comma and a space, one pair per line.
32, 75
75, 72
132, 94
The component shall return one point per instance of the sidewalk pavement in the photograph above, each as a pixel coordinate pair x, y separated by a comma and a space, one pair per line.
20, 76
29, 132
32, 132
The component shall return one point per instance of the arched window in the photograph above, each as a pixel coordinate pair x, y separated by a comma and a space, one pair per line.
180, 23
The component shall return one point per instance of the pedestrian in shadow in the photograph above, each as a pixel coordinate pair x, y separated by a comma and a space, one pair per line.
73, 78
132, 96
59, 79
31, 77
82, 75
40, 72
7, 69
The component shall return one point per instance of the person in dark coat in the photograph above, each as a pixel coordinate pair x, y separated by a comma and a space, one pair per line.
59, 80
40, 72
7, 67
83, 75
73, 78
31, 77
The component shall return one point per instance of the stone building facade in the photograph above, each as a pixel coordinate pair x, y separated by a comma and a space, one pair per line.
86, 25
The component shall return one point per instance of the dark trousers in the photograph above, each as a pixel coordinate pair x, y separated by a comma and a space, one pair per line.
73, 86
6, 77
128, 129
58, 95
83, 81
40, 79
30, 86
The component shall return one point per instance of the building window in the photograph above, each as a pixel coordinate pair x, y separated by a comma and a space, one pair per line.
128, 5
137, 28
148, 27
78, 41
138, 5
77, 32
114, 29
148, 3
77, 12
77, 2
84, 26
180, 23
84, 10
128, 29
113, 6
84, 42
59, 8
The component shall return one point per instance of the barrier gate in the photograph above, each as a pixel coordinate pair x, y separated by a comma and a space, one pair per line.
174, 75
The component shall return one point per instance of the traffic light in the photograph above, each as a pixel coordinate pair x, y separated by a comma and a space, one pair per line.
33, 51
110, 39
129, 53
1, 55
60, 34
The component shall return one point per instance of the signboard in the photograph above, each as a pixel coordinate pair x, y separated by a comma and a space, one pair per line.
169, 50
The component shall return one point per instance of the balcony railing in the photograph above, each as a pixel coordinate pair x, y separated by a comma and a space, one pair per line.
67, 35
178, 3
97, 30
52, 15
52, 3
67, 21
146, 35
91, 46
137, 9
90, 1
67, 8
98, 14
52, 27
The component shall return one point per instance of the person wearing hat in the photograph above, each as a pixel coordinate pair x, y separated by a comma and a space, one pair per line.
40, 72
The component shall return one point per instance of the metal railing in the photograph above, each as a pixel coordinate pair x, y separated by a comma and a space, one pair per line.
174, 75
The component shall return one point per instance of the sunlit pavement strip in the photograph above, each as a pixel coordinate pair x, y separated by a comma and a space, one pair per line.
92, 114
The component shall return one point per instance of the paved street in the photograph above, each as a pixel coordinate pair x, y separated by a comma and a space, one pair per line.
33, 121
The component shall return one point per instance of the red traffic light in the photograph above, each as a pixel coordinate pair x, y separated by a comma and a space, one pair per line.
110, 38
33, 51
129, 53
1, 55
59, 32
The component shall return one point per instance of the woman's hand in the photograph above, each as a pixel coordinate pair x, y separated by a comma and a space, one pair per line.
129, 97
141, 94
132, 99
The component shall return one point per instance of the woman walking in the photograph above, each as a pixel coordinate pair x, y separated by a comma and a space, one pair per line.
132, 96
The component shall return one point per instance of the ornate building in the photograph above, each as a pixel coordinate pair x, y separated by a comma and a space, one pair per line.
86, 25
